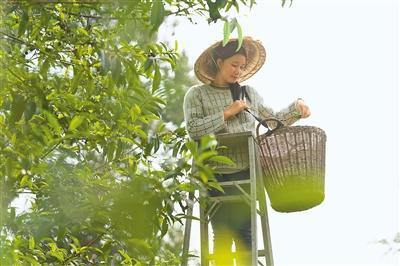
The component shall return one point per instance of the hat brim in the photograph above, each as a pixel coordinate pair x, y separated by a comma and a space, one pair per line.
204, 67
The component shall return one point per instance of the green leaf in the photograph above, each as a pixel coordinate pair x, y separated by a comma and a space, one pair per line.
17, 107
156, 144
213, 8
29, 110
157, 14
227, 32
127, 258
31, 243
53, 121
157, 78
207, 142
233, 24
58, 255
75, 122
119, 149
203, 178
215, 185
116, 69
141, 133
176, 149
236, 4
147, 64
205, 170
74, 248
24, 181
56, 252
221, 3
29, 258
164, 227
222, 159
192, 147
23, 23
76, 241
110, 151
160, 101
44, 68
205, 155
186, 187
240, 36
82, 31
129, 141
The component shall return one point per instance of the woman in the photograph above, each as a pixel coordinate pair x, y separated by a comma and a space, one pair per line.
221, 105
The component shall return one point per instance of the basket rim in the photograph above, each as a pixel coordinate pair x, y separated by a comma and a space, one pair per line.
296, 129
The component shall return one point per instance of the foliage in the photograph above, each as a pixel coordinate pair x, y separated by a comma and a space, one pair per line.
80, 93
175, 85
83, 87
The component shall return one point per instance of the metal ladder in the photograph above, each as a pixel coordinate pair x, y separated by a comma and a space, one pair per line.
257, 192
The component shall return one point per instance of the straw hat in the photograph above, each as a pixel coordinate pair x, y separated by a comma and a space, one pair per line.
204, 67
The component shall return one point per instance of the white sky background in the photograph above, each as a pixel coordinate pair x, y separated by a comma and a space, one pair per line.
342, 57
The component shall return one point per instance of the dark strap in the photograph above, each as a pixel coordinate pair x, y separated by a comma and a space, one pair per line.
244, 93
240, 92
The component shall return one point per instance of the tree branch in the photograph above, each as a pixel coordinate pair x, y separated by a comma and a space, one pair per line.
15, 75
36, 48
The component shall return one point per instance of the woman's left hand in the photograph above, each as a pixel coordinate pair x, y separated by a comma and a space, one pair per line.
303, 108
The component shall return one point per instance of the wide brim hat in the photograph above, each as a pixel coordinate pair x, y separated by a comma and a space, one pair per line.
205, 70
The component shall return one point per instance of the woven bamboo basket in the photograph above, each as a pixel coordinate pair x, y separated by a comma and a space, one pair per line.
293, 166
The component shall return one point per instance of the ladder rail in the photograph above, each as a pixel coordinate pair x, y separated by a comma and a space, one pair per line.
257, 192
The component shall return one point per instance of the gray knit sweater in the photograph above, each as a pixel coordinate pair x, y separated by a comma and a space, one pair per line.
204, 107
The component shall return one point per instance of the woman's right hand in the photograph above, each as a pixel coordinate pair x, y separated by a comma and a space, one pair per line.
235, 108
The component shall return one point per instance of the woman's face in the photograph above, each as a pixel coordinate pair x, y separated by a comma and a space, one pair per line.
230, 69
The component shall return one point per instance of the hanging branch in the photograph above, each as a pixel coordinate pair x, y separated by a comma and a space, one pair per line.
15, 39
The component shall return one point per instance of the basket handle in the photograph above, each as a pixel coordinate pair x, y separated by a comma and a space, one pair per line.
269, 130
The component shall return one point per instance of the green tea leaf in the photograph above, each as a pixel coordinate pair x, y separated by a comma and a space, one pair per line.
240, 36
164, 227
192, 147
222, 159
156, 78
17, 107
186, 187
53, 121
29, 110
215, 185
157, 14
24, 181
31, 243
23, 23
233, 23
75, 122
227, 32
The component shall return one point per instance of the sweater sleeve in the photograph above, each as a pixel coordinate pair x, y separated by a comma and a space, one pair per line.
196, 122
287, 116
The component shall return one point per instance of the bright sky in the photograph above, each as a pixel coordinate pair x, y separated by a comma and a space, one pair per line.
342, 57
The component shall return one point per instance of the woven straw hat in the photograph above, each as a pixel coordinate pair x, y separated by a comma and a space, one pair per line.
204, 67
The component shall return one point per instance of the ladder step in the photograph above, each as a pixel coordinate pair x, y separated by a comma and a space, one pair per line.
232, 183
228, 198
261, 252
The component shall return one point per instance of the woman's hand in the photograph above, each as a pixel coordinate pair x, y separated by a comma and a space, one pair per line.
236, 107
303, 109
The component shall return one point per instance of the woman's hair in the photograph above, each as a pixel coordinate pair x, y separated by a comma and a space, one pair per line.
224, 52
